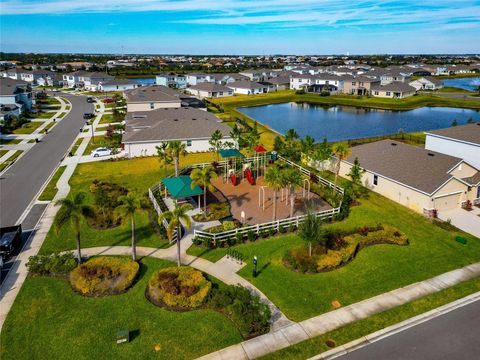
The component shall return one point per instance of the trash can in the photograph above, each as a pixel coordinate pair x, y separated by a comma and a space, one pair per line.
274, 156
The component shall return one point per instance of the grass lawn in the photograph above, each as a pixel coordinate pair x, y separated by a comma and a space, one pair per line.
106, 119
51, 189
27, 128
76, 145
48, 127
42, 115
48, 101
343, 335
61, 115
136, 174
10, 160
99, 142
3, 152
452, 89
10, 141
49, 321
375, 270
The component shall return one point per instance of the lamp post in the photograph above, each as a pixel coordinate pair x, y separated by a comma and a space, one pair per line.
255, 260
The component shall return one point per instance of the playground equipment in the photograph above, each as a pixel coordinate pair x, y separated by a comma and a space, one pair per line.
261, 197
248, 174
233, 177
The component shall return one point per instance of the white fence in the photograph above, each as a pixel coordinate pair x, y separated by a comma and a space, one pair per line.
158, 209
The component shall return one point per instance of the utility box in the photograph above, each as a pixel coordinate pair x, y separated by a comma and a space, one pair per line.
123, 336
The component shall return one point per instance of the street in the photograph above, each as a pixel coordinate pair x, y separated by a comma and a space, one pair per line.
23, 180
452, 336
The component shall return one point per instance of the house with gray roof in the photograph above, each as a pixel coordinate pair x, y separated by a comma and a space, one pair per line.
394, 90
426, 83
210, 90
247, 87
146, 98
118, 85
16, 92
420, 179
144, 130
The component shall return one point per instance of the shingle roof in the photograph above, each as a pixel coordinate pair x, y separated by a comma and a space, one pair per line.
172, 124
395, 86
468, 132
416, 167
8, 86
208, 86
153, 93
245, 84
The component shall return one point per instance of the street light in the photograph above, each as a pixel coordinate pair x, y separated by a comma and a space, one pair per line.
93, 134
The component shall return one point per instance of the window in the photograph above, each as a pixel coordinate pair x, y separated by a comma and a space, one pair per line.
152, 106
189, 142
376, 92
354, 83
375, 179
387, 93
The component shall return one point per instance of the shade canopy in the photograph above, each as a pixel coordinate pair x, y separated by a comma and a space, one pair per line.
228, 153
181, 187
260, 148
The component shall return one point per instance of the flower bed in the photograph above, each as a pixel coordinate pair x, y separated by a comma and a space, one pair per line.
104, 275
341, 248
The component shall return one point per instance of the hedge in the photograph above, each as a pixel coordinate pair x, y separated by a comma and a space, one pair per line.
55, 264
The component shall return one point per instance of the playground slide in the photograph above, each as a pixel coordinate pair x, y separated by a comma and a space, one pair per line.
250, 179
233, 179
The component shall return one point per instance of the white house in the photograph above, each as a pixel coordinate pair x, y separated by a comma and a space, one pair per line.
146, 98
210, 90
247, 87
144, 130
461, 141
197, 78
426, 83
15, 92
176, 81
317, 83
118, 85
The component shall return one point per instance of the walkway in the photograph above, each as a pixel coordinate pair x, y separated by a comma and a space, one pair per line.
468, 221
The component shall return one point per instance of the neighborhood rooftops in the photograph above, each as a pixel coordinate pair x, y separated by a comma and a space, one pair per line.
412, 166
172, 124
153, 93
245, 84
395, 86
10, 86
210, 87
467, 133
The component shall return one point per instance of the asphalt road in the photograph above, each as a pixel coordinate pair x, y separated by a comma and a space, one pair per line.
452, 336
24, 179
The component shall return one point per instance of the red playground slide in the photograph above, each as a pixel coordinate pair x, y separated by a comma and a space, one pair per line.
233, 179
250, 178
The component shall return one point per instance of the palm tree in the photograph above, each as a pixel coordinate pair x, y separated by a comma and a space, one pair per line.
72, 212
174, 218
273, 179
176, 148
310, 231
341, 152
129, 204
307, 146
203, 177
164, 156
291, 179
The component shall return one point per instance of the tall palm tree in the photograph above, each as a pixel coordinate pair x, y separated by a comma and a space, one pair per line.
341, 152
274, 180
176, 148
129, 205
203, 177
307, 146
291, 179
72, 212
164, 156
174, 218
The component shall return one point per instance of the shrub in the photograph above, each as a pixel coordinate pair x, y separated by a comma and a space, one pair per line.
292, 228
228, 225
196, 240
272, 232
104, 275
264, 233
239, 238
251, 235
178, 287
55, 264
283, 229
215, 211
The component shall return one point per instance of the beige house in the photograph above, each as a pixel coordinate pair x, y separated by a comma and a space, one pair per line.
152, 97
360, 85
419, 179
395, 90
209, 90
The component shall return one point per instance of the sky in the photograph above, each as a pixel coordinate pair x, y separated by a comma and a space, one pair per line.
260, 27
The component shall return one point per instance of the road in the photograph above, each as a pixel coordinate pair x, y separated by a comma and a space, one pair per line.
452, 336
23, 180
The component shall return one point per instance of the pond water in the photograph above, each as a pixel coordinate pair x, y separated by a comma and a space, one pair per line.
339, 123
470, 83
145, 81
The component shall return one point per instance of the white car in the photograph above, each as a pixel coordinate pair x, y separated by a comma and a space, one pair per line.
101, 151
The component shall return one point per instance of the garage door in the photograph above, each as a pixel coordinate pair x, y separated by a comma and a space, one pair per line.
447, 202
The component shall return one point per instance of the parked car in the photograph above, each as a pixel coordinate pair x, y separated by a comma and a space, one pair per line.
87, 116
101, 151
10, 239
90, 99
107, 101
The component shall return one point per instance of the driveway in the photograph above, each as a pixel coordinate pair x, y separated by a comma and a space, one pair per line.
22, 181
468, 221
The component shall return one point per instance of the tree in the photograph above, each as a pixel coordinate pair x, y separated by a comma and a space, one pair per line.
291, 144
236, 135
252, 137
175, 149
307, 145
203, 177
273, 179
278, 144
291, 179
356, 172
216, 142
174, 218
341, 152
323, 152
72, 211
310, 231
164, 156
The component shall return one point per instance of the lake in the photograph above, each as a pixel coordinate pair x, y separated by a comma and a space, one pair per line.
339, 123
471, 83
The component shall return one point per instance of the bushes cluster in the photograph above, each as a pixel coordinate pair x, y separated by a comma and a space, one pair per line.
215, 211
106, 197
54, 264
342, 247
178, 288
104, 275
247, 312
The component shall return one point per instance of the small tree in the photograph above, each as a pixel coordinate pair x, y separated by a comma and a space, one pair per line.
323, 152
252, 138
236, 135
278, 144
291, 179
175, 149
356, 172
174, 218
307, 145
310, 231
341, 152
72, 211
203, 177
216, 142
164, 156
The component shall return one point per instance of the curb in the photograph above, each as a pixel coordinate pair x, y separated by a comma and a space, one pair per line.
396, 328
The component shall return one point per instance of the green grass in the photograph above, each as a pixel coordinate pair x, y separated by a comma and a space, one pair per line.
106, 119
27, 128
3, 152
61, 115
76, 145
51, 189
49, 321
10, 160
48, 101
99, 142
10, 141
455, 90
375, 270
41, 115
135, 174
345, 334
48, 127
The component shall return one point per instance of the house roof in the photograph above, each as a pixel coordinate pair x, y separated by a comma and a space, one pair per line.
395, 86
8, 86
210, 87
181, 187
153, 93
415, 167
469, 133
473, 180
172, 124
120, 82
245, 84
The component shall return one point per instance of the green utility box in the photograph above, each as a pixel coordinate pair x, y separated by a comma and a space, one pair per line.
123, 336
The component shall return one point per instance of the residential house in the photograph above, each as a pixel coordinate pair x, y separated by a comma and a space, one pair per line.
8, 111
146, 98
176, 81
394, 76
86, 80
210, 90
426, 83
197, 78
277, 83
16, 92
461, 141
360, 85
118, 85
51, 80
420, 179
247, 87
259, 75
144, 130
395, 90
317, 83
